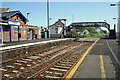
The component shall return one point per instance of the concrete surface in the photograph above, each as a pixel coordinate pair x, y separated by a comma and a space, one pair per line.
91, 67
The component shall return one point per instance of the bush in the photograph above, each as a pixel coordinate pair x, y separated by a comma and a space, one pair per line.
93, 35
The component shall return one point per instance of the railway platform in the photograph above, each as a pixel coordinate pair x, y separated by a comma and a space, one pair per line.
9, 45
101, 62
25, 41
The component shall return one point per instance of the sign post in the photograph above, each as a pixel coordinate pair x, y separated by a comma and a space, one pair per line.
119, 23
1, 35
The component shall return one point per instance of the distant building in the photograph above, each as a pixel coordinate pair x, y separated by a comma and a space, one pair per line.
32, 32
44, 32
84, 32
14, 26
4, 10
98, 30
56, 30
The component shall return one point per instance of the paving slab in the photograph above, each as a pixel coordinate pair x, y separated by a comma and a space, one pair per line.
92, 67
87, 70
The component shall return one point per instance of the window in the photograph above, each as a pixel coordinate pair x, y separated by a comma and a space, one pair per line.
6, 28
16, 29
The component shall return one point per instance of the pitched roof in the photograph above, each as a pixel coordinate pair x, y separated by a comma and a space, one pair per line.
11, 14
4, 9
57, 23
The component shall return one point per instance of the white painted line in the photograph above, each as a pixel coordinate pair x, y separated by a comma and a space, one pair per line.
113, 53
28, 44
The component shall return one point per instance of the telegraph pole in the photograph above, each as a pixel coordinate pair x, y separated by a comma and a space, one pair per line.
48, 16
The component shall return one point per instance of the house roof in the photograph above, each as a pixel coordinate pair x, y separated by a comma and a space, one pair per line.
11, 14
32, 27
58, 23
4, 9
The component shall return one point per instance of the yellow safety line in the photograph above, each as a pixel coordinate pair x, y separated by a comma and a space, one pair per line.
71, 73
103, 74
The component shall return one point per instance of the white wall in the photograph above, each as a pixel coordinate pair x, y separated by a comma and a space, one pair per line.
53, 30
60, 30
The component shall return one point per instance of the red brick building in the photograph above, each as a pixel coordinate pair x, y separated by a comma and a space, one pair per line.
32, 32
17, 28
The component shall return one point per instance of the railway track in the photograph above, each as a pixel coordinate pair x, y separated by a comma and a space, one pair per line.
61, 67
55, 62
16, 66
46, 50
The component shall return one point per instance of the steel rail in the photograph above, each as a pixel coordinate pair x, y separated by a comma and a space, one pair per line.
24, 64
52, 64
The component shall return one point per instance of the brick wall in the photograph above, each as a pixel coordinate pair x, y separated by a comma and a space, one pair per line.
6, 34
24, 30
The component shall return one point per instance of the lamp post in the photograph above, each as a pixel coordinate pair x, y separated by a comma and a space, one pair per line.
27, 15
118, 20
27, 28
118, 71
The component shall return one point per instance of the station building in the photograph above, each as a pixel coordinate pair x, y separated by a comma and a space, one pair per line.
32, 32
56, 29
13, 24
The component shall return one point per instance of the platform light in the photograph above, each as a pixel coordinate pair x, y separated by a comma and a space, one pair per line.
118, 19
112, 4
27, 15
114, 18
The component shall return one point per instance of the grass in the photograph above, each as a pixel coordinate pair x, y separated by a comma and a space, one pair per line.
92, 35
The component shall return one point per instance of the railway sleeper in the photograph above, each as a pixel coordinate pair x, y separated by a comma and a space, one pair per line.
27, 59
7, 67
34, 57
61, 67
6, 75
22, 68
28, 65
57, 69
13, 74
17, 63
33, 62
67, 65
53, 72
2, 69
47, 76
15, 71
22, 61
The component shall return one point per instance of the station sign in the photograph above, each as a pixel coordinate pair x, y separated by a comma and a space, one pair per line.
13, 23
3, 23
